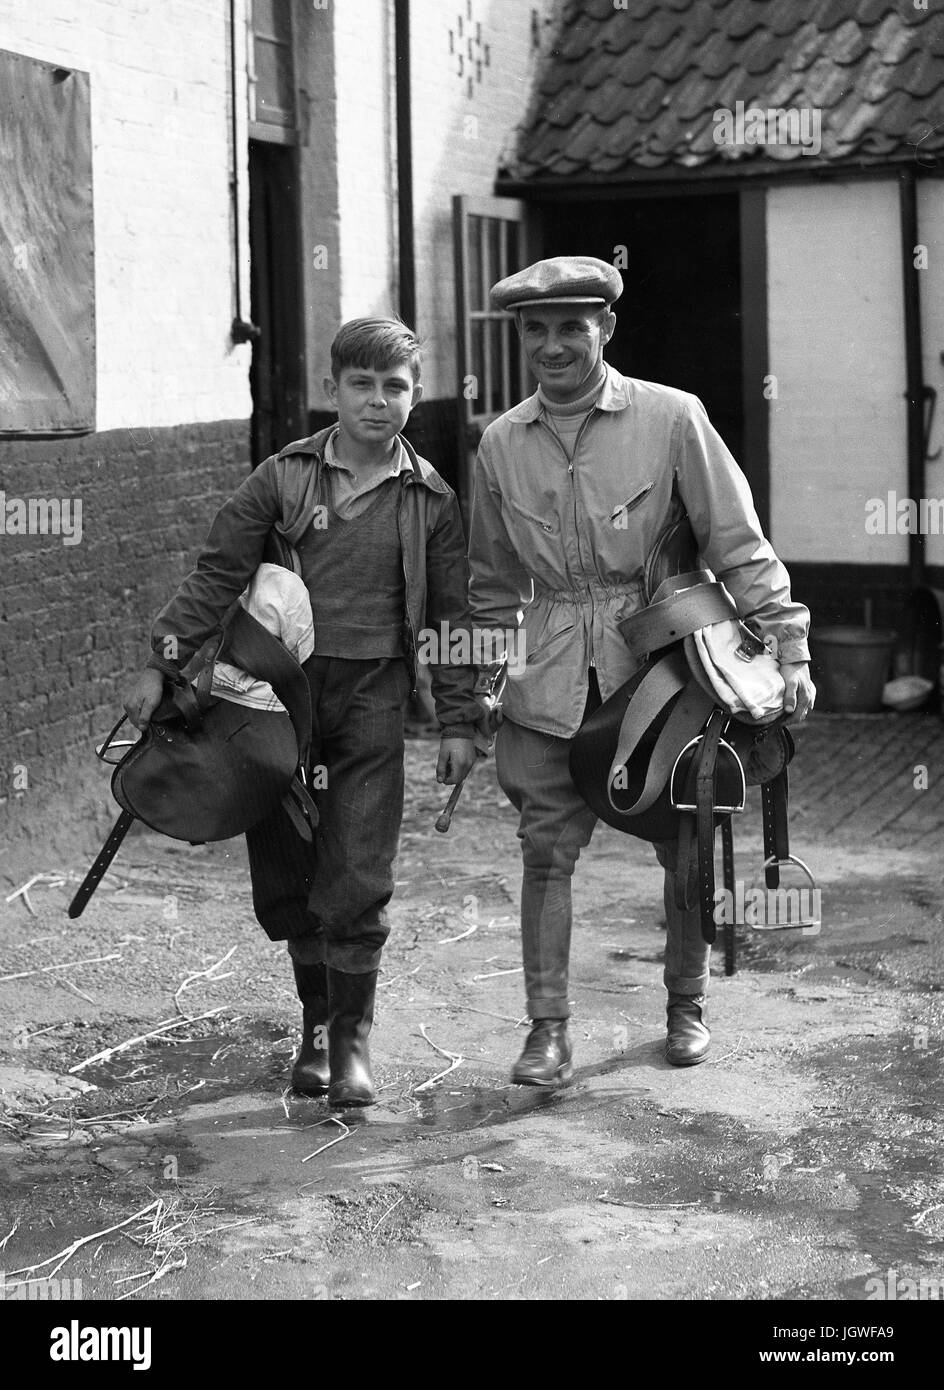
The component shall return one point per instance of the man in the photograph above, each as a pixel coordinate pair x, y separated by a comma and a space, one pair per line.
572, 489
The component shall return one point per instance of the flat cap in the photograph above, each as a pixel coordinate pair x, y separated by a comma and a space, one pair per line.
560, 280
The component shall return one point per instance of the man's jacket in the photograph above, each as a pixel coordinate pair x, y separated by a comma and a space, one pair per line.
567, 543
281, 496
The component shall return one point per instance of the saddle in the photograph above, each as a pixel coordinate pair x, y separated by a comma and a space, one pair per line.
671, 753
207, 768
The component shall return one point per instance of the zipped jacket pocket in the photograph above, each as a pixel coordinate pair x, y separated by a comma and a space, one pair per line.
630, 503
541, 521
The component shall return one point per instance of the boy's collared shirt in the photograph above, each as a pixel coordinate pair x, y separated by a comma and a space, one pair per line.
350, 494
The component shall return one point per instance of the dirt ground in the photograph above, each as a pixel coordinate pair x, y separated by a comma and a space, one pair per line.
801, 1161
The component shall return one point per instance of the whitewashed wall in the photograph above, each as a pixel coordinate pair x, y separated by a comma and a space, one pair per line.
838, 428
163, 233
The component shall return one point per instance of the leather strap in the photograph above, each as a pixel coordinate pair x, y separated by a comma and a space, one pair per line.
105, 855
678, 614
727, 868
666, 678
185, 701
301, 809
686, 871
774, 796
705, 819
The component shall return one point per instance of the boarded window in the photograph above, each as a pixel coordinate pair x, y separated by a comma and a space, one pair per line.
47, 286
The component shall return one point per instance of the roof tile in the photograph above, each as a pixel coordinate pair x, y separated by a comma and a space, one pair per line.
637, 88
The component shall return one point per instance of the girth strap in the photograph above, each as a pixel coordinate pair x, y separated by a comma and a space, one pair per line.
678, 614
727, 868
102, 860
666, 678
776, 827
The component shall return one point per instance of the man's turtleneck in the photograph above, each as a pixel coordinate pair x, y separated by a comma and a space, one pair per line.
568, 416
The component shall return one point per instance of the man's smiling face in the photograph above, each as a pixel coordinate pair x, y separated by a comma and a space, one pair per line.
564, 345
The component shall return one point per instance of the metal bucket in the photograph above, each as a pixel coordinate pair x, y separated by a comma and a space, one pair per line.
852, 667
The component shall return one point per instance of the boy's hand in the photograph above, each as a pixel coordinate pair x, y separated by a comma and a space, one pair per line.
456, 760
144, 696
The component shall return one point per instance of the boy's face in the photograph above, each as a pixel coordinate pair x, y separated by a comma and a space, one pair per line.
373, 406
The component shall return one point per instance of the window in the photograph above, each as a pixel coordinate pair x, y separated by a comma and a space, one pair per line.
494, 355
271, 76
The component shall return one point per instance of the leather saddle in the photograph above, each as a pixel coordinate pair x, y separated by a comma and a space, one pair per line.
663, 759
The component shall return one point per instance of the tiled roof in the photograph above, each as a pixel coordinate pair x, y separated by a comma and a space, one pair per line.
634, 92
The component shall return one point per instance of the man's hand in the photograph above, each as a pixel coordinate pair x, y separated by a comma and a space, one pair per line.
800, 694
143, 697
456, 760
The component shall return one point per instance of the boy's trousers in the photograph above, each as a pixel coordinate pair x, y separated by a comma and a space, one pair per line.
330, 898
555, 825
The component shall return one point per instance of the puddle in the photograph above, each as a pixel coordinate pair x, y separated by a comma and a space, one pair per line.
448, 1113
244, 1056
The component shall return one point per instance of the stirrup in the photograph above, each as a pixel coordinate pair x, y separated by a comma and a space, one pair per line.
675, 790
808, 922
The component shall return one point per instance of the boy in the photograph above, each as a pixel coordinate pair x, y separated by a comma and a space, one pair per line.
376, 535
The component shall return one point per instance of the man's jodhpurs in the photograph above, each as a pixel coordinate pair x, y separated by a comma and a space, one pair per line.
555, 825
330, 898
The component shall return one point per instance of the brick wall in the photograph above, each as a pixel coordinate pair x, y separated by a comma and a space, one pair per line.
172, 395
75, 618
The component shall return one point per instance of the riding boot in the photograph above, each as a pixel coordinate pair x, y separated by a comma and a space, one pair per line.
687, 1038
545, 1060
352, 1013
310, 1073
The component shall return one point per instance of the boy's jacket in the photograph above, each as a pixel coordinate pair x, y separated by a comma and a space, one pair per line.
267, 516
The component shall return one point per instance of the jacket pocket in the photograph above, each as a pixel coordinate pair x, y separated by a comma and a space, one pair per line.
536, 520
619, 512
546, 632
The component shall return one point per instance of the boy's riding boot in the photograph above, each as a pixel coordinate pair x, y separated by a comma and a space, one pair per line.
310, 1072
352, 1013
687, 1038
545, 1060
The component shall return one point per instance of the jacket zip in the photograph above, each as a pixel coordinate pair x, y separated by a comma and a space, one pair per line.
570, 469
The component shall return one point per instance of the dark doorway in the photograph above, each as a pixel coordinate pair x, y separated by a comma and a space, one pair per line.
679, 319
276, 375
